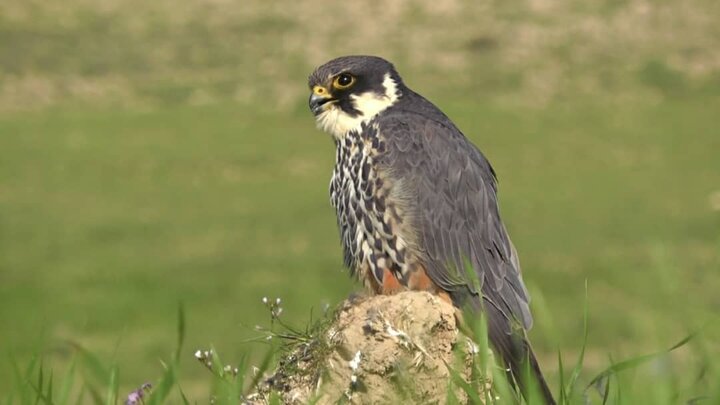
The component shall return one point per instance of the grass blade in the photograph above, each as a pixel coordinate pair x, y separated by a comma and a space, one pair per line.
182, 396
242, 367
635, 361
563, 394
473, 396
49, 392
39, 388
91, 364
581, 359
267, 359
21, 382
113, 387
450, 397
180, 333
94, 372
161, 392
606, 392
67, 384
505, 393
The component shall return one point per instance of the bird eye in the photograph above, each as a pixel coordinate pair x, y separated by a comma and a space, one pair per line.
343, 81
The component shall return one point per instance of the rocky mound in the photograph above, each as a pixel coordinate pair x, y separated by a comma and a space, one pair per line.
380, 349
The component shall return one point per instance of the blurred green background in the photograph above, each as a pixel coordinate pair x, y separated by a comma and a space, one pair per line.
160, 152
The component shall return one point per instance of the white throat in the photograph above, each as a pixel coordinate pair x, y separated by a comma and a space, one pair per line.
338, 123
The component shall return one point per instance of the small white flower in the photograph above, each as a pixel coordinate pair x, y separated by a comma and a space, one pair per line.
277, 301
199, 355
265, 300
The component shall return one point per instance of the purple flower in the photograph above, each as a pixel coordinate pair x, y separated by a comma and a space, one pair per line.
135, 397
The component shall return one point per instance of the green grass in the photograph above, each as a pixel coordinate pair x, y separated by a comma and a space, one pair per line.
646, 378
110, 218
100, 240
152, 154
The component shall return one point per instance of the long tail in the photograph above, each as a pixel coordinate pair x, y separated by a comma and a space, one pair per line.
514, 349
511, 345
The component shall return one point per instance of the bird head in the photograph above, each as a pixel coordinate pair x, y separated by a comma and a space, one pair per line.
350, 90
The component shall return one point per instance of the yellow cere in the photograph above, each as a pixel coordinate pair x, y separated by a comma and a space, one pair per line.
321, 91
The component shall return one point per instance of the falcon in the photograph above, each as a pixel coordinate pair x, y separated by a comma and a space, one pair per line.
417, 206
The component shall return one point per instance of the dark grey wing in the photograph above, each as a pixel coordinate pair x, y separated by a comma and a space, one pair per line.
452, 195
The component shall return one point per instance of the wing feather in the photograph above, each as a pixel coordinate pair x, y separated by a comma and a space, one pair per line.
453, 197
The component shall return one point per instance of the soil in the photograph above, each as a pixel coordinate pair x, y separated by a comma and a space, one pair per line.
382, 349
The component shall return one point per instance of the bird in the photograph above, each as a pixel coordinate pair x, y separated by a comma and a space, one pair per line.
417, 204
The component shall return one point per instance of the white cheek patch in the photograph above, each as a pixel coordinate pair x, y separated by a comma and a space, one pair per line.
338, 123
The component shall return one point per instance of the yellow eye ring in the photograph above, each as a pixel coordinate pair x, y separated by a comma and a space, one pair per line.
343, 81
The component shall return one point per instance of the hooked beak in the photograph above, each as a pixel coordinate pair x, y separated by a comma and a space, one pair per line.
317, 101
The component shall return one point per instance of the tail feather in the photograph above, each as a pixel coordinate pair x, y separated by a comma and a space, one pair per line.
510, 343
513, 348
